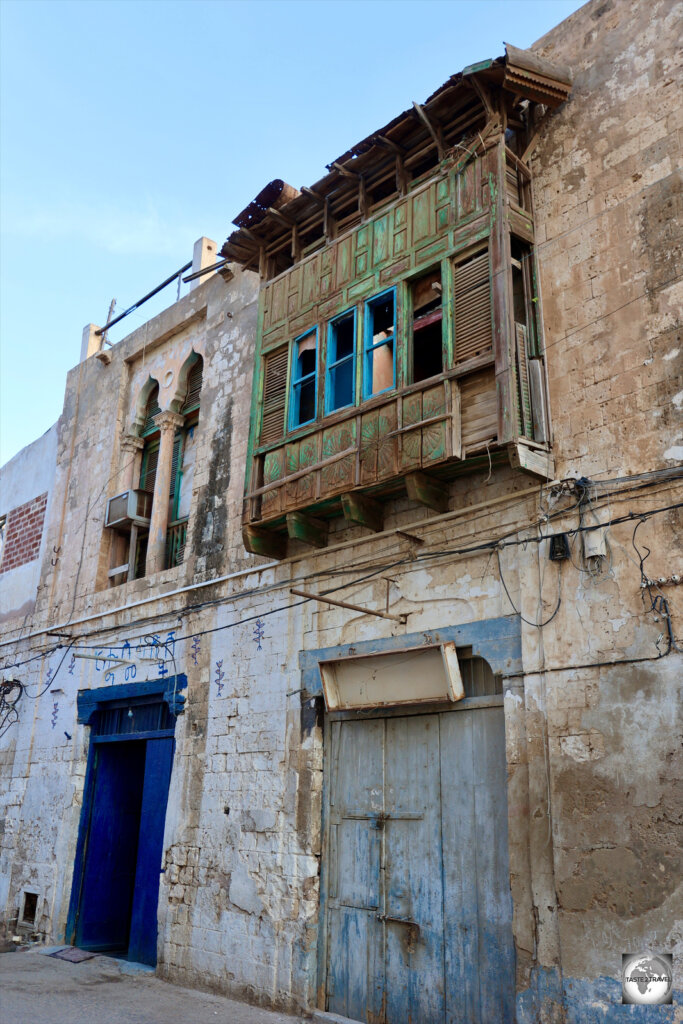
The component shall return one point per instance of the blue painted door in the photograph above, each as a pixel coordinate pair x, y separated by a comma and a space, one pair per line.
117, 908
143, 930
416, 887
111, 855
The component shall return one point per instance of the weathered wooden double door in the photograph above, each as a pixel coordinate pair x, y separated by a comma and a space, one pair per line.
417, 906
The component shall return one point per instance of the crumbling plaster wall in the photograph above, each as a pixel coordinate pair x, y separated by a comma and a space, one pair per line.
44, 755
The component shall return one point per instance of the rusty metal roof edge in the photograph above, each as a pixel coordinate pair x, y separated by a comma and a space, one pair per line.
529, 61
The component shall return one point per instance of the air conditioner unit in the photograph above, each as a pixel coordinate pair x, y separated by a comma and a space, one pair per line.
130, 507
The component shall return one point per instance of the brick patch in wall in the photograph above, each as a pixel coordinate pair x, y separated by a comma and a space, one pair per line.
23, 533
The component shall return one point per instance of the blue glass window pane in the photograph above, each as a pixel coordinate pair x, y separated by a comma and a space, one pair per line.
341, 382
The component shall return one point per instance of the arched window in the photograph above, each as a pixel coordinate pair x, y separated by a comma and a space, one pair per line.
182, 469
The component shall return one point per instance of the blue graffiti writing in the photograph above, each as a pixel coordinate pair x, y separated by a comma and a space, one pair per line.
220, 675
196, 647
259, 633
170, 642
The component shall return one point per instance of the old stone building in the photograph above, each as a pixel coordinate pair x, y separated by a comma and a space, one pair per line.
341, 619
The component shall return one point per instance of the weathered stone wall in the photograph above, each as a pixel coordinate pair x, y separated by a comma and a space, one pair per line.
607, 195
590, 724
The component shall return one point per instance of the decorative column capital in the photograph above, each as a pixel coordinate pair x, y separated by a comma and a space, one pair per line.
132, 443
168, 421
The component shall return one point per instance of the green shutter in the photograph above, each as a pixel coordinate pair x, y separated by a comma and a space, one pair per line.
524, 421
274, 395
152, 409
194, 387
148, 470
176, 468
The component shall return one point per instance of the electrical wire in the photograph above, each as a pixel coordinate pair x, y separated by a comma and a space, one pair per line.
538, 625
659, 606
492, 546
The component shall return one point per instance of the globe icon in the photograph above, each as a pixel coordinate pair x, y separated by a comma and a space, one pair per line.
647, 979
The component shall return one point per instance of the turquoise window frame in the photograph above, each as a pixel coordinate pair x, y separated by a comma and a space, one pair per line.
333, 364
369, 347
296, 383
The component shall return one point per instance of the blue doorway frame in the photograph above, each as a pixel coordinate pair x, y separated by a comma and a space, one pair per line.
115, 888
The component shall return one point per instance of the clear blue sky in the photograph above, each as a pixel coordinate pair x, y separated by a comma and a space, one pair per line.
129, 129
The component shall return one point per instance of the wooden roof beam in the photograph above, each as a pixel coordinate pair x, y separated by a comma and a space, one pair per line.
344, 171
278, 215
433, 128
484, 95
329, 223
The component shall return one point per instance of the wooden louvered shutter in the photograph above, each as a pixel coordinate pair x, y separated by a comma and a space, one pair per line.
177, 450
274, 395
194, 387
140, 558
524, 422
151, 411
512, 184
149, 468
473, 334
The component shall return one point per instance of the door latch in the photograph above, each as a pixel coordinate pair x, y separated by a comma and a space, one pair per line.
412, 926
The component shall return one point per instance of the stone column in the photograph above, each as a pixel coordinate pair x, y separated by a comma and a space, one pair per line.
167, 422
129, 474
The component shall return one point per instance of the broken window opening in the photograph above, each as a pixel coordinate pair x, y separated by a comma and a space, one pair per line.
341, 362
380, 370
427, 341
523, 291
383, 190
525, 335
428, 162
30, 908
304, 379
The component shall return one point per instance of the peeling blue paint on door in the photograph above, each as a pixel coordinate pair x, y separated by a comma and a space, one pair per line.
418, 911
115, 890
109, 875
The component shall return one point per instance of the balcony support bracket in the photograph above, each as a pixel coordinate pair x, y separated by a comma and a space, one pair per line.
365, 511
266, 543
308, 529
427, 491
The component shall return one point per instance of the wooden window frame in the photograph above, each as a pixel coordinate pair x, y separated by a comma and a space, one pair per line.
298, 382
333, 364
369, 347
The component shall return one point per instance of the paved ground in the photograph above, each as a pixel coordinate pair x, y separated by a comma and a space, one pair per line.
37, 989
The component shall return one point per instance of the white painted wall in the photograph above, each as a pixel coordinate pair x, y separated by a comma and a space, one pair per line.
30, 473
